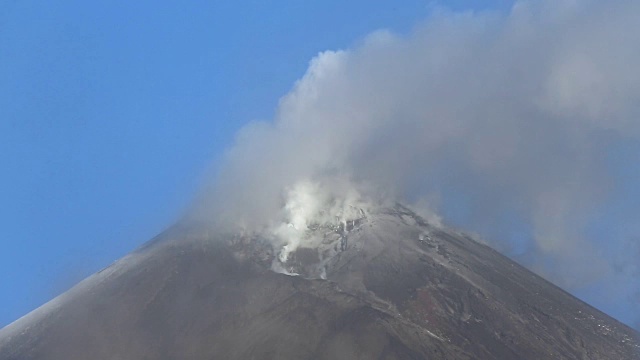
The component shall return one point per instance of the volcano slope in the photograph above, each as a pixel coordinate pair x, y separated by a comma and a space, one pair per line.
385, 286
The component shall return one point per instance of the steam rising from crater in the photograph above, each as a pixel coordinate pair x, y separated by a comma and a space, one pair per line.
310, 204
504, 123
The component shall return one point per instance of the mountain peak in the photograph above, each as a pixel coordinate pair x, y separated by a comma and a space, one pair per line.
380, 282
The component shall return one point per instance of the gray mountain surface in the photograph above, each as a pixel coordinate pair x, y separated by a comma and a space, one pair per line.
387, 286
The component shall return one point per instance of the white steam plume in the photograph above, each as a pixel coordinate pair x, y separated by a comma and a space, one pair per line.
504, 118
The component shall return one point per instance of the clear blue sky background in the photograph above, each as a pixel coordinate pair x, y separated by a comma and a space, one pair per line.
111, 112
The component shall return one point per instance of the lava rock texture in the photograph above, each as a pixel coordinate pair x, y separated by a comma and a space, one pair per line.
388, 286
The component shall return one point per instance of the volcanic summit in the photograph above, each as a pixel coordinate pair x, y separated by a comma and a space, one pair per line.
381, 283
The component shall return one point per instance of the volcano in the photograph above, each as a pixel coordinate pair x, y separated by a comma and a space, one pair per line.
385, 284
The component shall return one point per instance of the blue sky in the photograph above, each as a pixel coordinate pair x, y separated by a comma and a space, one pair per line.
111, 114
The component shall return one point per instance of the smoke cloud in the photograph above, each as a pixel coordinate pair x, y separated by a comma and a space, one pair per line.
505, 124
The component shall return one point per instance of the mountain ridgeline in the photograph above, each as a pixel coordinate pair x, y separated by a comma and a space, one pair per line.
384, 285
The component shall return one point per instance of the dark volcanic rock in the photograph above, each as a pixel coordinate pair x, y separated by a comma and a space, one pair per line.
395, 288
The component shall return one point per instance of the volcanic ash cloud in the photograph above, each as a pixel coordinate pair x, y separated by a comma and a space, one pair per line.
502, 122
